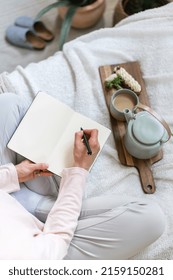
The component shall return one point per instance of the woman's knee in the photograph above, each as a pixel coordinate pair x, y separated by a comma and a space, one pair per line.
13, 109
145, 222
158, 219
9, 99
153, 219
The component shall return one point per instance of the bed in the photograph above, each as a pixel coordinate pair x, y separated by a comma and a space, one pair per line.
72, 76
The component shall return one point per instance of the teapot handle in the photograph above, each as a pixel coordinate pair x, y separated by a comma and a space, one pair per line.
159, 118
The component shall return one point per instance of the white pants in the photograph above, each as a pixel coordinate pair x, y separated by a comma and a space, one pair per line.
109, 227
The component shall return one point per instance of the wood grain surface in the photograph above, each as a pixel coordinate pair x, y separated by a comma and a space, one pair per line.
119, 127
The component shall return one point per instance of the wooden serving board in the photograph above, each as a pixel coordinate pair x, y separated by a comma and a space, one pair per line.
119, 127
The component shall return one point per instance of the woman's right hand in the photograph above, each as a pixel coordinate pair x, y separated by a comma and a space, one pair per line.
81, 157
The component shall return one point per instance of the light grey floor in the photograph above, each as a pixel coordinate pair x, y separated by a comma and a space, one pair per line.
11, 56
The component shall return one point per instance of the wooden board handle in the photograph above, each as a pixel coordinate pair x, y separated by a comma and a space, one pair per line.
146, 176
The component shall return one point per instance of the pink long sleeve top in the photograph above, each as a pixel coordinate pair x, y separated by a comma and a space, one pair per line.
23, 236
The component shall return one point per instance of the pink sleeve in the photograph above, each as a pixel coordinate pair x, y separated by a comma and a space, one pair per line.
63, 217
8, 178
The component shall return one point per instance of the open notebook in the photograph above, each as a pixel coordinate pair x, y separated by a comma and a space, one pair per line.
46, 133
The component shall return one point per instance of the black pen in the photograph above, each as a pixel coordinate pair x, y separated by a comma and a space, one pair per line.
86, 142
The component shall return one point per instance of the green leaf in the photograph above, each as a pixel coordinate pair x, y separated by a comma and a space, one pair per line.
73, 5
51, 6
66, 25
115, 83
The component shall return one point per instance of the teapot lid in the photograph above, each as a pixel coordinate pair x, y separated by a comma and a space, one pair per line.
147, 129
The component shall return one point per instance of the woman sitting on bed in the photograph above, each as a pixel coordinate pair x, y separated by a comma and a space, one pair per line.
105, 227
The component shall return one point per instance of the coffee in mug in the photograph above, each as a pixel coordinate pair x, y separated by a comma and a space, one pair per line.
123, 99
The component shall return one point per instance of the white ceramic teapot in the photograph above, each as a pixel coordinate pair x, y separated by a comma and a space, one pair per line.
145, 134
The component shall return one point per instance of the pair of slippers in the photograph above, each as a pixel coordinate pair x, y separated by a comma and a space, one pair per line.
28, 33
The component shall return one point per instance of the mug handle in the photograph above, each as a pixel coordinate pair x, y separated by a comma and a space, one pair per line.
159, 118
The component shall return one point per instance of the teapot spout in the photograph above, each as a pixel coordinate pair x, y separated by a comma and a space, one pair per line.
128, 115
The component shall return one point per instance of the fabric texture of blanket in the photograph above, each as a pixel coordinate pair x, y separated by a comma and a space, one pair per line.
72, 76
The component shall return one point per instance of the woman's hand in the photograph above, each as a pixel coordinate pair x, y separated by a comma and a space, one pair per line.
27, 170
81, 157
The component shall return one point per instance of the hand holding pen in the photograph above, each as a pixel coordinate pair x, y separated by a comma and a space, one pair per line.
85, 149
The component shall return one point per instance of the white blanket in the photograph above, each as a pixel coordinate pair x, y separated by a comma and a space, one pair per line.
72, 76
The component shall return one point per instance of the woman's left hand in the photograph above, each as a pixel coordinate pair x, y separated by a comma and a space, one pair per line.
27, 170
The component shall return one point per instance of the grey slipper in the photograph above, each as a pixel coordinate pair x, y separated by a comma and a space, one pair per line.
36, 27
24, 38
